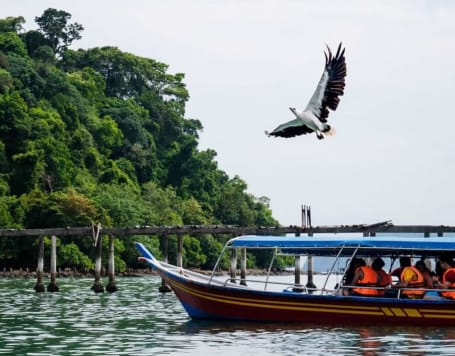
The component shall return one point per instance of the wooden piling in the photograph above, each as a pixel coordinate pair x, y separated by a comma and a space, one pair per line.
97, 286
304, 219
233, 268
39, 286
111, 285
309, 216
243, 266
52, 287
164, 244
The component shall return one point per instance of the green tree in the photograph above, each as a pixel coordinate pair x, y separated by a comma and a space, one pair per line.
12, 24
108, 136
27, 81
10, 42
212, 247
34, 40
55, 28
15, 122
70, 256
6, 81
28, 170
193, 256
44, 54
60, 209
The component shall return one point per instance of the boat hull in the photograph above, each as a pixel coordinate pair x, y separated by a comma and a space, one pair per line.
204, 298
214, 302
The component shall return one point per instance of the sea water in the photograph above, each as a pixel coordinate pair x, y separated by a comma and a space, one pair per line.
139, 320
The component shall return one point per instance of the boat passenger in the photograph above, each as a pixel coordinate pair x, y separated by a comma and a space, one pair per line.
365, 276
448, 276
384, 279
422, 267
405, 261
413, 279
350, 272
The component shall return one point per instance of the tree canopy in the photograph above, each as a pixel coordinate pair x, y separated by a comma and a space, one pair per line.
54, 27
100, 135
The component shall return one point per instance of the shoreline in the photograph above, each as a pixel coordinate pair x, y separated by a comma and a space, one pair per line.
67, 273
9, 274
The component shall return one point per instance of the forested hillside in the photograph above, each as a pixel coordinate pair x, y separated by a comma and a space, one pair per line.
100, 135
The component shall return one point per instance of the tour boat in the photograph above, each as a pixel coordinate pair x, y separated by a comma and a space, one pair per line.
254, 299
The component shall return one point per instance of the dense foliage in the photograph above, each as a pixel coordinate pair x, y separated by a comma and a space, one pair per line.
100, 135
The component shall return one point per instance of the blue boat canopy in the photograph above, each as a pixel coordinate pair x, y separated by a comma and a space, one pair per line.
331, 245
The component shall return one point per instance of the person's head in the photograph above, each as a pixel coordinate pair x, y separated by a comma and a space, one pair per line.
356, 262
405, 261
446, 260
421, 266
377, 264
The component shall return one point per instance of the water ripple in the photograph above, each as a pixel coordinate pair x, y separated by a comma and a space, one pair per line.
138, 319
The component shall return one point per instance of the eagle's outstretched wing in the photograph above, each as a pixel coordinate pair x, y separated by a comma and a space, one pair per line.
290, 129
330, 86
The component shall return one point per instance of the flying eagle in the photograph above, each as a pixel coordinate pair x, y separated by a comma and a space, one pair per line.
326, 96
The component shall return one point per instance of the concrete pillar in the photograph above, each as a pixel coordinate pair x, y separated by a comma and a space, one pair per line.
297, 275
111, 285
233, 268
39, 286
243, 266
179, 251
97, 286
310, 283
52, 287
164, 244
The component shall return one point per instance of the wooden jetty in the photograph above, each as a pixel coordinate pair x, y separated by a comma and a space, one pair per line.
195, 230
96, 231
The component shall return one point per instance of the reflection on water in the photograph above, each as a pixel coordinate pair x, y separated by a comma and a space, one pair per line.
289, 339
138, 319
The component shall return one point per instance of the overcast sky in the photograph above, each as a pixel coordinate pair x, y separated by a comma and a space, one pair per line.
247, 62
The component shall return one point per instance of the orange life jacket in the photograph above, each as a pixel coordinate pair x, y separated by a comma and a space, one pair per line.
417, 282
370, 278
384, 279
450, 295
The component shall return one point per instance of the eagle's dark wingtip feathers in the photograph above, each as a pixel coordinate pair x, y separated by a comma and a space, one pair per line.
333, 87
